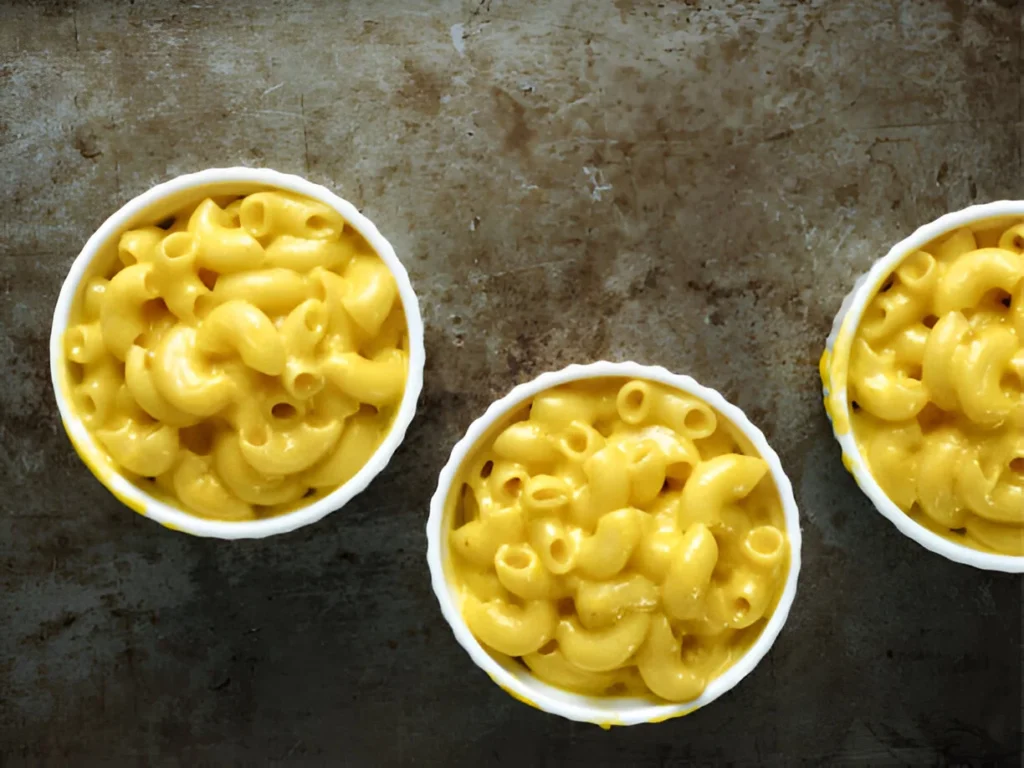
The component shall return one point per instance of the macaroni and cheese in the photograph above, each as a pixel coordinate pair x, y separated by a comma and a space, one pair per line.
240, 357
618, 537
935, 387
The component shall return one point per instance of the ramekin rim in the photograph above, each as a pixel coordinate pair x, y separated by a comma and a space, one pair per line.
538, 698
846, 322
158, 510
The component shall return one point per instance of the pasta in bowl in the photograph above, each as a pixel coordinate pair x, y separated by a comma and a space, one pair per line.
923, 379
236, 353
614, 543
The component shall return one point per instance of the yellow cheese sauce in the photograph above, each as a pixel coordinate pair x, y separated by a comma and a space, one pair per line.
239, 359
935, 386
617, 538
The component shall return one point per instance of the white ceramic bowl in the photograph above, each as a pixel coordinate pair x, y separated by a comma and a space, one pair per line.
514, 678
156, 204
834, 369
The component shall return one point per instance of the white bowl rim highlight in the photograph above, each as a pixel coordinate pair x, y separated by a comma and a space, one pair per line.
160, 511
606, 711
846, 322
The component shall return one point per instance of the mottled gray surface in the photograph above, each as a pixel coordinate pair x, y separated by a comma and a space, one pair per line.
694, 184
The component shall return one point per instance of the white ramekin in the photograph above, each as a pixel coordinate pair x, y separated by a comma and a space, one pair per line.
515, 679
834, 368
157, 203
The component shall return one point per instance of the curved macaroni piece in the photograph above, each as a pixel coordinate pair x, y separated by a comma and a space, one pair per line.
506, 481
545, 495
371, 292
689, 575
197, 487
715, 483
526, 443
1006, 539
1012, 239
657, 546
681, 454
600, 604
97, 392
84, 343
560, 407
145, 449
718, 444
221, 244
602, 650
606, 552
918, 274
122, 314
640, 402
302, 255
511, 629
390, 336
893, 458
138, 375
978, 373
266, 213
662, 667
184, 378
890, 311
740, 601
646, 469
878, 387
379, 382
607, 486
288, 452
139, 245
247, 483
986, 494
558, 550
484, 586
765, 547
634, 402
938, 468
576, 442
274, 291
478, 540
521, 572
92, 298
304, 327
686, 415
938, 362
174, 274
956, 245
910, 345
239, 327
344, 335
358, 441
974, 274
553, 668
301, 331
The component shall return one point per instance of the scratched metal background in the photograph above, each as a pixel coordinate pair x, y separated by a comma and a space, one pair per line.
694, 184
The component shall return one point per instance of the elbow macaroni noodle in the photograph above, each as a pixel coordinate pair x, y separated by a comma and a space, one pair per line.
242, 357
618, 537
935, 387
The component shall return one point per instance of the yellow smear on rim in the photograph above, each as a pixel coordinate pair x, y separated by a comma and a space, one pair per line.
849, 463
833, 369
673, 716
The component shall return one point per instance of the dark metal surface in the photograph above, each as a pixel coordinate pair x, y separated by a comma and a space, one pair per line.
694, 184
